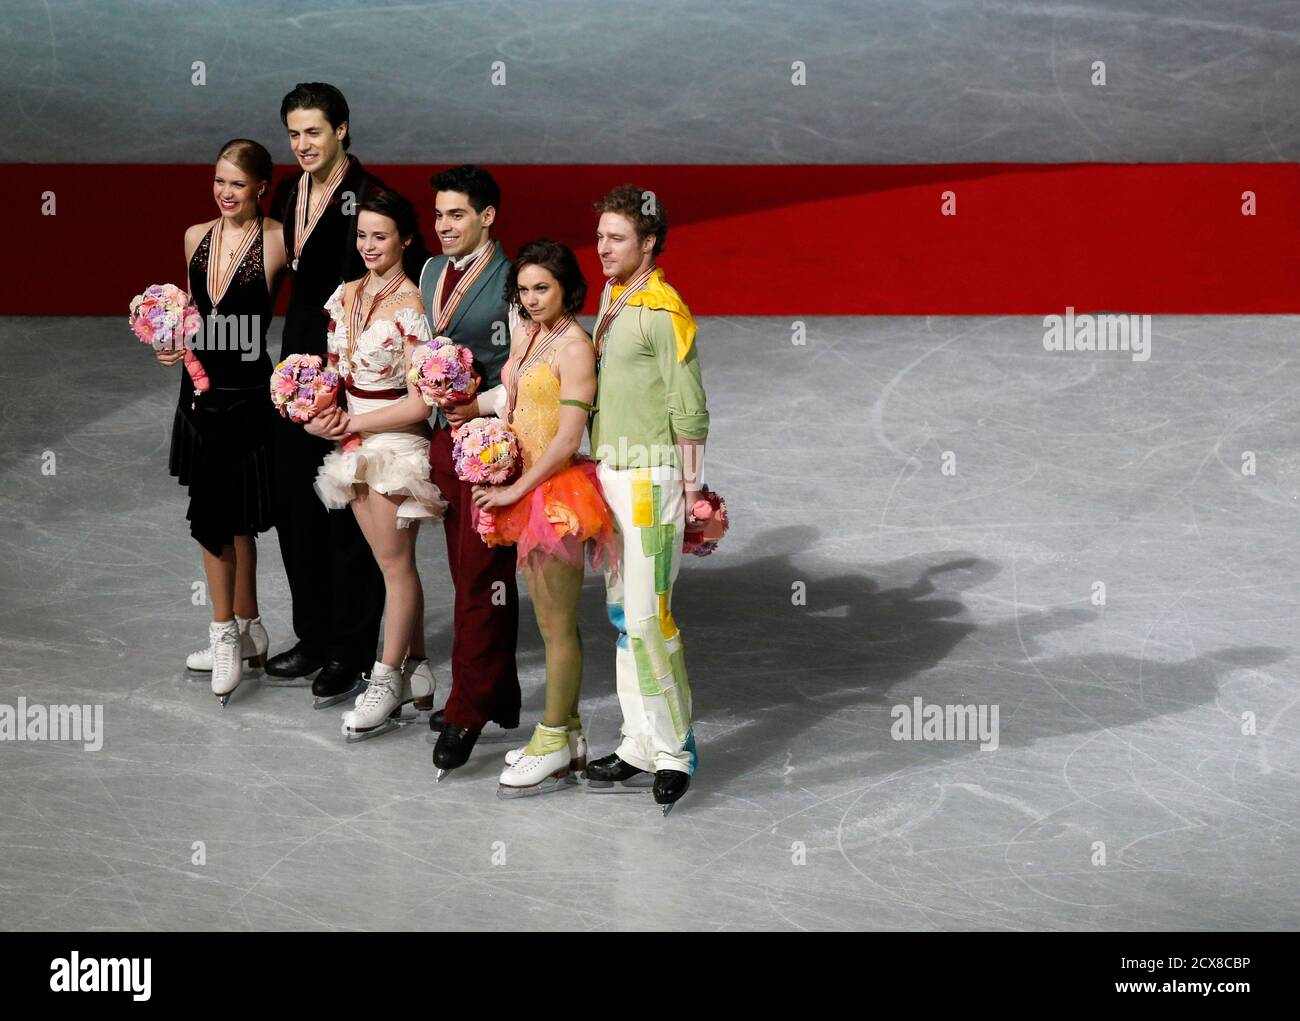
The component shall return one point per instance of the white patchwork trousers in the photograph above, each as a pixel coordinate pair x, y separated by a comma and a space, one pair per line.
649, 506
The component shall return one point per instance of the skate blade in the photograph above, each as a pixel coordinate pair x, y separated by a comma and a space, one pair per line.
633, 786
325, 702
668, 807
396, 720
224, 700
551, 783
271, 681
441, 774
357, 736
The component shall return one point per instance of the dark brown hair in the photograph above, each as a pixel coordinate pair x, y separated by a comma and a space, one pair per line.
560, 262
630, 201
475, 183
320, 96
398, 208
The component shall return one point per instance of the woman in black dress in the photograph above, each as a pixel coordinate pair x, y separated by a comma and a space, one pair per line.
221, 437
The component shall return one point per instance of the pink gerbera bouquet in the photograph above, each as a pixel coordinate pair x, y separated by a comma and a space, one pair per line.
443, 369
706, 523
484, 452
301, 387
164, 318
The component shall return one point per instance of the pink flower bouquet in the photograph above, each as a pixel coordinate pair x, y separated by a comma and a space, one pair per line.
443, 370
706, 524
301, 388
164, 318
484, 452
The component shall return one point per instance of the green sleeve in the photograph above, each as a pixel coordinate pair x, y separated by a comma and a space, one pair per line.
688, 409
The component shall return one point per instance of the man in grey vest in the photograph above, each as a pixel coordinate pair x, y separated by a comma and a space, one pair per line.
464, 299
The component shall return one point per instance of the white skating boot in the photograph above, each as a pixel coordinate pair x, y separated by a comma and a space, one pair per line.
577, 748
417, 675
253, 645
227, 670
544, 766
379, 709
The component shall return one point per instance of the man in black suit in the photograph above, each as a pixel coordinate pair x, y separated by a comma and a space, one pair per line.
336, 586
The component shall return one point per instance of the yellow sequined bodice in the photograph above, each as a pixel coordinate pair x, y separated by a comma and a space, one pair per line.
537, 411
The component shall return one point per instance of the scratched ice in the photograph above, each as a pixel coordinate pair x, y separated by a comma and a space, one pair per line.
923, 509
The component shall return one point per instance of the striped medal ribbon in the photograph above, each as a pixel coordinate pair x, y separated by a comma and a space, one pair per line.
445, 312
218, 278
302, 227
358, 320
538, 345
609, 312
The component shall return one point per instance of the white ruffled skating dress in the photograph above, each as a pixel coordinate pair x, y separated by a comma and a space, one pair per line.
391, 462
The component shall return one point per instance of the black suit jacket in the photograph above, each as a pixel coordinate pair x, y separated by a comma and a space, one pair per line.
329, 258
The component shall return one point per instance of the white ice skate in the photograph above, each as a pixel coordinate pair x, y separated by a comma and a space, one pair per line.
577, 752
416, 675
226, 665
253, 645
379, 709
538, 774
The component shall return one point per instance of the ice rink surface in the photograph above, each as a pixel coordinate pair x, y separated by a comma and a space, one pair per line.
923, 508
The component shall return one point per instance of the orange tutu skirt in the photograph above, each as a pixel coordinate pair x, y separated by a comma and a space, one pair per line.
557, 519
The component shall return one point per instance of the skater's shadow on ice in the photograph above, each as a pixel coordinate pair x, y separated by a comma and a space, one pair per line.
767, 666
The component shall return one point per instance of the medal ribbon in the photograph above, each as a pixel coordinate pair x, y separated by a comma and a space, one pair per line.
219, 279
302, 227
532, 354
474, 271
609, 312
358, 321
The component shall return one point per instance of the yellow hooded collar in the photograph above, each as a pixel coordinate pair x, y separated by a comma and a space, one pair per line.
659, 294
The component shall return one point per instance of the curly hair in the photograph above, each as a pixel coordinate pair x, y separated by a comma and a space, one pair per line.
560, 262
630, 201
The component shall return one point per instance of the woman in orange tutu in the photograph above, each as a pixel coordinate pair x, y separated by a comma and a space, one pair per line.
555, 509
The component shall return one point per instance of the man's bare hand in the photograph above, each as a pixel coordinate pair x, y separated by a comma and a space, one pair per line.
459, 414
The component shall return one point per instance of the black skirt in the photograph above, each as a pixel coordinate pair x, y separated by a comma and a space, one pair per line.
221, 450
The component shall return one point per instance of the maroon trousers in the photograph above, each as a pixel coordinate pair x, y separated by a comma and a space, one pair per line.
484, 680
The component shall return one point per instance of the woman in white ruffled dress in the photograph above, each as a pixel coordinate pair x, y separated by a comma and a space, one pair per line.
381, 466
